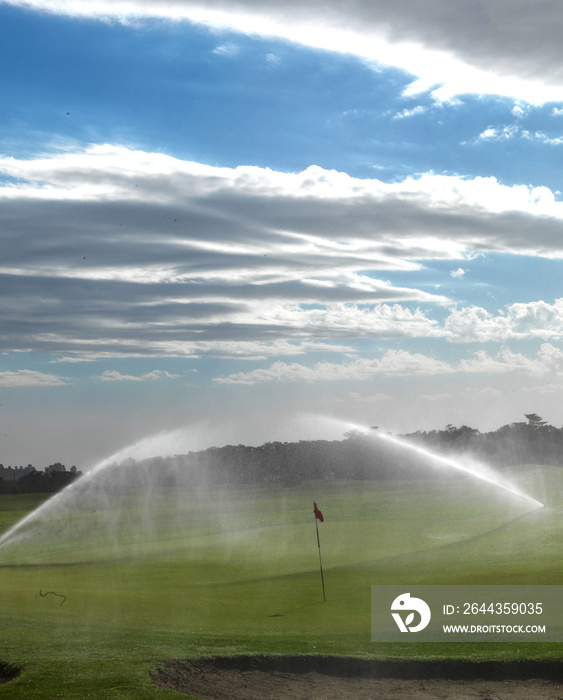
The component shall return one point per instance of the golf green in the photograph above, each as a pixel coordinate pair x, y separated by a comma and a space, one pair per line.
96, 593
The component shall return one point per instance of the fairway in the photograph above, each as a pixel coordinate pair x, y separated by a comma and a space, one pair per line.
93, 597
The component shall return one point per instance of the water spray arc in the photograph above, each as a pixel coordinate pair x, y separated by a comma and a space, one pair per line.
185, 439
477, 470
140, 449
101, 481
52, 502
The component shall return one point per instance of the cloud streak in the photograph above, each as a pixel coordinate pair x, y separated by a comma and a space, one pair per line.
112, 375
512, 131
29, 378
400, 363
116, 252
510, 47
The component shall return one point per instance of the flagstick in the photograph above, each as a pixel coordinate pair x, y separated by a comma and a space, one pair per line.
320, 560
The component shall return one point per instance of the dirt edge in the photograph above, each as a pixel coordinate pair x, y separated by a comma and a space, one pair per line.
284, 677
353, 667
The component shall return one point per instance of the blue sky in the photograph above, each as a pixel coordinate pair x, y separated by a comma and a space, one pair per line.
225, 220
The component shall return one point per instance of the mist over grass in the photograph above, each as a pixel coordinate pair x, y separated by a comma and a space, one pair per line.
214, 552
247, 580
121, 505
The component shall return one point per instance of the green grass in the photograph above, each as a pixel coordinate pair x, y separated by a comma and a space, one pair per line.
178, 575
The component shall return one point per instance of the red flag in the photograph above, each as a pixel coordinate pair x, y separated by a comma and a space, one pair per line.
318, 513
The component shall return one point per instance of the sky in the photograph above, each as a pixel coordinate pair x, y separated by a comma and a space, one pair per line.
240, 221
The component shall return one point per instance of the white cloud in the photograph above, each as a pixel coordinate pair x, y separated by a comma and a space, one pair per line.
538, 320
222, 349
348, 320
512, 131
458, 273
117, 173
25, 377
229, 49
548, 140
508, 48
474, 256
505, 133
115, 376
177, 258
395, 363
548, 360
520, 110
406, 113
336, 323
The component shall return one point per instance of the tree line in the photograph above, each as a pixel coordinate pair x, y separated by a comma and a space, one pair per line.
39, 482
358, 455
533, 441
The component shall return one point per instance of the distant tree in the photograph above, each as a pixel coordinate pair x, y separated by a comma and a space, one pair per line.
353, 434
534, 420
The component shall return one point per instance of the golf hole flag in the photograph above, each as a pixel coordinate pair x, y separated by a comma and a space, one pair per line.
319, 516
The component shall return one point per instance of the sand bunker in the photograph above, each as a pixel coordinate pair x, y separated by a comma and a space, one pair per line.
341, 678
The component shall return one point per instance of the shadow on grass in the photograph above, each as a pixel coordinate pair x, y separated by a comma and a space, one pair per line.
8, 672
